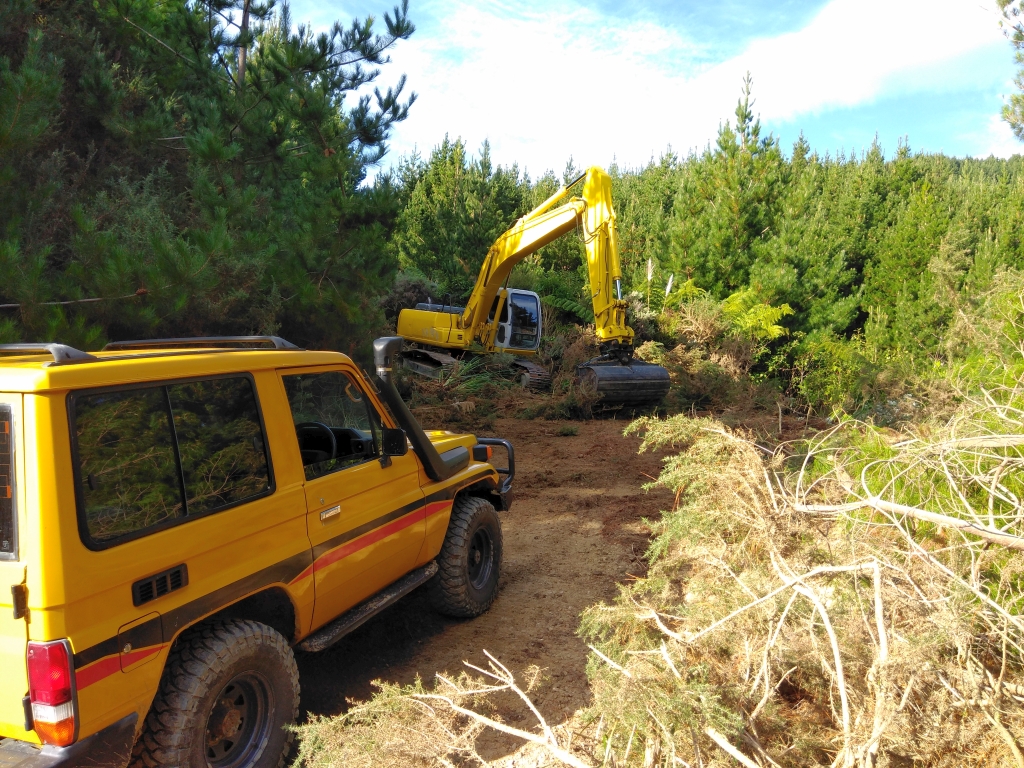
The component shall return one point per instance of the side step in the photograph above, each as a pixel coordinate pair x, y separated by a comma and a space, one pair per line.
331, 633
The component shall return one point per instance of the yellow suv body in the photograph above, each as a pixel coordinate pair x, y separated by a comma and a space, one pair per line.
175, 516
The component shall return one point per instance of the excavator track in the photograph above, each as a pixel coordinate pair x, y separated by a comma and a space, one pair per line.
534, 377
637, 384
427, 362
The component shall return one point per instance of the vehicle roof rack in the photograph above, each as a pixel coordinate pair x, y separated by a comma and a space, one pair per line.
228, 342
61, 353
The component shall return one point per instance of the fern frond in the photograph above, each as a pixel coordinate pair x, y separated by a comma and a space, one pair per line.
584, 314
749, 316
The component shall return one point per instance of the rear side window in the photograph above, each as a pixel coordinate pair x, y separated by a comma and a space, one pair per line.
153, 457
220, 440
8, 535
128, 470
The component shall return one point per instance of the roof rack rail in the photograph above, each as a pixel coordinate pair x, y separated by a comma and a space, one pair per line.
238, 342
61, 353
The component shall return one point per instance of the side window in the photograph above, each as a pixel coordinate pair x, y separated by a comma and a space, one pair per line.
223, 457
128, 470
148, 458
335, 425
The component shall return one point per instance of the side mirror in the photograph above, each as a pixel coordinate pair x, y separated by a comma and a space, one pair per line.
393, 441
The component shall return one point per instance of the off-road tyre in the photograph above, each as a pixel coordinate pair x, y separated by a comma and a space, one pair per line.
469, 564
210, 669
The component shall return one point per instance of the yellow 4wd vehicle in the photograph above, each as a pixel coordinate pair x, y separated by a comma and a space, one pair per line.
176, 516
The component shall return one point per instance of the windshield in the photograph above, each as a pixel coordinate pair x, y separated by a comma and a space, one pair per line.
525, 321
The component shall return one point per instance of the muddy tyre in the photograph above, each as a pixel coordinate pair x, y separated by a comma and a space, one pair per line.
469, 564
228, 691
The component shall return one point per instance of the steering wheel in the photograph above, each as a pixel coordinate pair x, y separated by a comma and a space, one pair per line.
310, 427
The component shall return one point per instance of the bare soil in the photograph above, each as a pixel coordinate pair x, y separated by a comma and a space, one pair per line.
574, 532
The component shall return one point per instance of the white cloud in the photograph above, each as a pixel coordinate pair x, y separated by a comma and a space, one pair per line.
544, 85
997, 139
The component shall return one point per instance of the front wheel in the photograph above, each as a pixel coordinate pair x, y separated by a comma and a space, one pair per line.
469, 564
228, 693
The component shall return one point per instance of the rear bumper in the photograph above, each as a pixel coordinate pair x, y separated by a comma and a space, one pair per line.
109, 748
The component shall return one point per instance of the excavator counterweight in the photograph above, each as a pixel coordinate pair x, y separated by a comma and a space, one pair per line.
501, 319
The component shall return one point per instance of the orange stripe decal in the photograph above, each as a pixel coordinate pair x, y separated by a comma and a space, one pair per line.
340, 553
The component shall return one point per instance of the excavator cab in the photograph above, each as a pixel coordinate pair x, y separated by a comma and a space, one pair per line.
519, 320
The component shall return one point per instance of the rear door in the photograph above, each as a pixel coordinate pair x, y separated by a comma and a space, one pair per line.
365, 514
13, 632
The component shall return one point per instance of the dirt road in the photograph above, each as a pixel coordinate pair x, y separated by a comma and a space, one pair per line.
573, 533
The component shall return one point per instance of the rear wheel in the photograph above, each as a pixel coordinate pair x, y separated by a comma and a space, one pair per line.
469, 564
228, 692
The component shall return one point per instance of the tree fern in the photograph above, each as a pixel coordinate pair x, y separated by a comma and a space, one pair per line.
584, 314
756, 319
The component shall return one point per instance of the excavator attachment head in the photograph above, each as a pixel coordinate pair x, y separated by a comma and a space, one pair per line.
634, 384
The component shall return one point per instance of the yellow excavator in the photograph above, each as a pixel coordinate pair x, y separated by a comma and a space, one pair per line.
497, 318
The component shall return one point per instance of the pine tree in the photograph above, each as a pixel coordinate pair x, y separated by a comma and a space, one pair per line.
727, 203
198, 165
1013, 25
456, 207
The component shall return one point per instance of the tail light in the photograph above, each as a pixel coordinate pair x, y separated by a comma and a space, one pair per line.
51, 690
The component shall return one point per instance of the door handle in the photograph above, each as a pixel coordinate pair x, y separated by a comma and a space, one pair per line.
329, 515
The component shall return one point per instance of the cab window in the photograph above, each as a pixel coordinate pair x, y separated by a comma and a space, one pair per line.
335, 424
148, 458
525, 321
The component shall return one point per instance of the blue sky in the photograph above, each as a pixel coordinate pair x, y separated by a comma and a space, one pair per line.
604, 80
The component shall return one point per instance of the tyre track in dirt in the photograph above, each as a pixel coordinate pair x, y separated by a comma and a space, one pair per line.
573, 533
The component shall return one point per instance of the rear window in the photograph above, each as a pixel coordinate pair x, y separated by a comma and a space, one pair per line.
148, 458
8, 534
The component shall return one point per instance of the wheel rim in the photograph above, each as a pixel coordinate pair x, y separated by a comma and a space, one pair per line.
239, 725
481, 559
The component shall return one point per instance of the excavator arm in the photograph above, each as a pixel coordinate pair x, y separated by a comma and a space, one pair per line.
594, 215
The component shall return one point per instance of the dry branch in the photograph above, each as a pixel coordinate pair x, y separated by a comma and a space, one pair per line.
981, 531
505, 682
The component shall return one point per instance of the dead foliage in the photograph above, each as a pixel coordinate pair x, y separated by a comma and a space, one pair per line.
415, 726
851, 601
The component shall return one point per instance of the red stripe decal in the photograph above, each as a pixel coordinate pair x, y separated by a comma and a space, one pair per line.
107, 666
143, 653
351, 547
97, 671
438, 506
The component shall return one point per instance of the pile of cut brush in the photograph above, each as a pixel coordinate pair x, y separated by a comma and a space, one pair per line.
853, 600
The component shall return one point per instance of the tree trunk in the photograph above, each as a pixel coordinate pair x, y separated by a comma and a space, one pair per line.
243, 45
